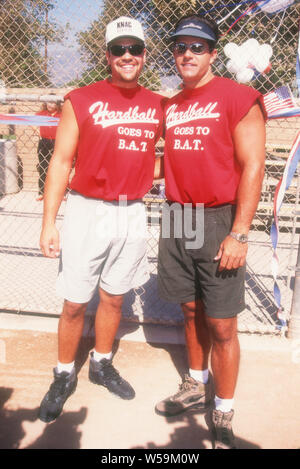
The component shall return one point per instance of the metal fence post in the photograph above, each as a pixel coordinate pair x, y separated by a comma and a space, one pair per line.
294, 324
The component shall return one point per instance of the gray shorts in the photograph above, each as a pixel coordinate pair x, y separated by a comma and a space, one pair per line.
185, 275
102, 244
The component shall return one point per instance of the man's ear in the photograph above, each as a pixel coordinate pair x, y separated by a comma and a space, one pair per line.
144, 56
213, 57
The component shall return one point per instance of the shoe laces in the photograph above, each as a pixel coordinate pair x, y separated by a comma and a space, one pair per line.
58, 386
109, 370
186, 385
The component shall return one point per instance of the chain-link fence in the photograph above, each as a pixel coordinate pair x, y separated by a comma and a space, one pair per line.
50, 47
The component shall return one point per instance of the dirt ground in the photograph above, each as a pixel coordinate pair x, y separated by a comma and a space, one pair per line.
267, 410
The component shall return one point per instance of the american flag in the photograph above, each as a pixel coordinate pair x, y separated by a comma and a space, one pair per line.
279, 100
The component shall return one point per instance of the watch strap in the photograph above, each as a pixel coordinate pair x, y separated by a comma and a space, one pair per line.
241, 237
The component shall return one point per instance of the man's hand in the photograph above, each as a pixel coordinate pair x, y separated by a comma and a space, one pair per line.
49, 241
57, 179
232, 254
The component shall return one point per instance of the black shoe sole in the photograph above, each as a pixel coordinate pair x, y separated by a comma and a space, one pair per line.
217, 445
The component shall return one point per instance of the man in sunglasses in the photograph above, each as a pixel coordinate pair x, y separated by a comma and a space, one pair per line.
214, 156
110, 129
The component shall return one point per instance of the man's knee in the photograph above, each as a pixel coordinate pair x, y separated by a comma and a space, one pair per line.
112, 301
72, 311
222, 330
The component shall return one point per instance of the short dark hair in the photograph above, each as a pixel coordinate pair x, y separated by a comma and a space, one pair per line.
206, 20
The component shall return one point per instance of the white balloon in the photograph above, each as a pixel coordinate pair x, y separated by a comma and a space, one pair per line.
261, 62
236, 66
243, 76
266, 50
231, 49
231, 67
247, 58
242, 62
274, 5
250, 44
250, 49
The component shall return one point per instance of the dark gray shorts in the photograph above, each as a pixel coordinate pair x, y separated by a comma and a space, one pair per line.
185, 274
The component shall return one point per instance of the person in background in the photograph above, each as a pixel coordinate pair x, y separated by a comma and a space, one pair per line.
46, 143
214, 156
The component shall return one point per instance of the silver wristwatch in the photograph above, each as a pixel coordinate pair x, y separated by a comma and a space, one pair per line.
242, 238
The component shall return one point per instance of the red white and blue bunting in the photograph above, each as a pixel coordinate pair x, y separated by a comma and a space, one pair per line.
283, 185
22, 119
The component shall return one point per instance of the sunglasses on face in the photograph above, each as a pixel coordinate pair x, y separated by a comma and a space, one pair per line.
180, 48
134, 49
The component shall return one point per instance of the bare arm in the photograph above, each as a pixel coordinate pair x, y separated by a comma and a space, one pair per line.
249, 141
58, 178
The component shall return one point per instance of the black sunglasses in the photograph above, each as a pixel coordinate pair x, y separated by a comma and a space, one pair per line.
180, 48
134, 49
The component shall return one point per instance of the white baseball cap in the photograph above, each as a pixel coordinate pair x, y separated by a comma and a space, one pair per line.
124, 27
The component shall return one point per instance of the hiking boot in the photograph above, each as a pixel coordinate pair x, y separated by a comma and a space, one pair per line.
223, 437
192, 394
104, 374
63, 386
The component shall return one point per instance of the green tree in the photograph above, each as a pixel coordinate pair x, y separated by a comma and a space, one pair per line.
159, 18
281, 31
261, 26
92, 42
25, 30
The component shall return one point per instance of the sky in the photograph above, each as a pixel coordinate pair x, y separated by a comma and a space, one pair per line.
66, 63
65, 59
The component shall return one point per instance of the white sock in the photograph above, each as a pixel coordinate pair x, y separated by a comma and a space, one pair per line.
68, 367
199, 375
99, 356
224, 405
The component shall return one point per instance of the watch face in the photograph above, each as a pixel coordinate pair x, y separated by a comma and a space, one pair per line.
242, 238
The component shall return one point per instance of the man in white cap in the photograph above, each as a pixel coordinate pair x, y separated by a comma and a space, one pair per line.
110, 129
